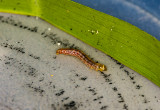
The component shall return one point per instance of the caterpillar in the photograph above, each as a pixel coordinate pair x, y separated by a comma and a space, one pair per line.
83, 57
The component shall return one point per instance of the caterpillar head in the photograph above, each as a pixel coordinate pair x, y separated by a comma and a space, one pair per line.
101, 67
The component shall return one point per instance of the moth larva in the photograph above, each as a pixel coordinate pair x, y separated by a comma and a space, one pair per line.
83, 57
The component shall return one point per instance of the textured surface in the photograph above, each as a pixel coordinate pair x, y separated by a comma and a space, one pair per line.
124, 42
28, 60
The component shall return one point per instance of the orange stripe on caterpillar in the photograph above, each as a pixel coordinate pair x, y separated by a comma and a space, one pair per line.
83, 57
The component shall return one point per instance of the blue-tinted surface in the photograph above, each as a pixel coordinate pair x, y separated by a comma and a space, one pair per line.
144, 14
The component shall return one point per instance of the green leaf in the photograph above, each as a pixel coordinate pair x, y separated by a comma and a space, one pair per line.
119, 39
